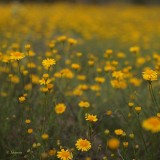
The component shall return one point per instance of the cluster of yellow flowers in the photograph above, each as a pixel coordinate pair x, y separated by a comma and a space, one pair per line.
70, 98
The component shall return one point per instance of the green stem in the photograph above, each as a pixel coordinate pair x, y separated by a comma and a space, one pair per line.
152, 95
20, 74
145, 146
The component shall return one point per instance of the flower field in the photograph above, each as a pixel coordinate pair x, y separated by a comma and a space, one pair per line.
79, 82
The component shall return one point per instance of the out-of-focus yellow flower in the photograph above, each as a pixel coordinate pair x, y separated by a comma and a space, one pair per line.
118, 75
152, 124
109, 113
138, 109
125, 144
118, 84
52, 152
22, 99
84, 104
17, 56
106, 132
118, 132
72, 41
136, 82
30, 130
134, 49
113, 143
62, 38
131, 135
60, 108
108, 53
28, 121
27, 47
44, 136
75, 66
14, 79
67, 73
100, 79
130, 104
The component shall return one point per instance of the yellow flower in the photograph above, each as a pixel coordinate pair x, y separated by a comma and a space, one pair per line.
28, 121
118, 132
67, 73
44, 81
130, 104
90, 62
81, 77
84, 104
108, 53
17, 56
118, 75
60, 108
113, 143
21, 99
14, 79
136, 82
95, 88
44, 136
62, 38
138, 109
125, 144
91, 117
134, 49
131, 136
5, 58
118, 83
152, 124
83, 144
88, 158
46, 76
106, 132
109, 113
44, 155
72, 41
100, 79
158, 115
52, 152
64, 155
149, 75
47, 63
75, 66
30, 130
51, 45
27, 47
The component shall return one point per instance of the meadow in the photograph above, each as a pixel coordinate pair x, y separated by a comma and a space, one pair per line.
79, 82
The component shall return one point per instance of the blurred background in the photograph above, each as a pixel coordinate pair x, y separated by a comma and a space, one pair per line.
90, 1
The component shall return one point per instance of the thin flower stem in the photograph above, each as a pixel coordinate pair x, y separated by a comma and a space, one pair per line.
152, 95
21, 77
119, 153
145, 145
